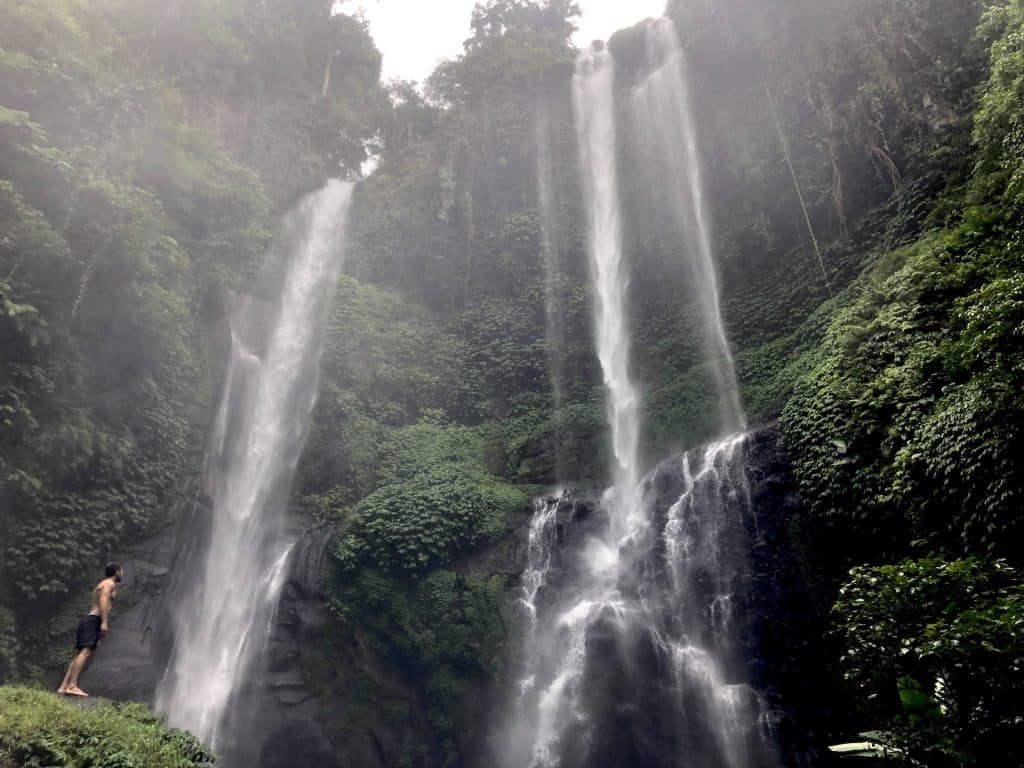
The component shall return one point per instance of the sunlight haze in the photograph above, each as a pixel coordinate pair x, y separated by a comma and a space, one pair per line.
415, 35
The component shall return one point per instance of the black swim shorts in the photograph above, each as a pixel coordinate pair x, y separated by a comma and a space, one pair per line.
88, 635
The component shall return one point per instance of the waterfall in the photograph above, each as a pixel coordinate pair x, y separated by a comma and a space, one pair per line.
593, 89
663, 112
541, 540
539, 546
633, 649
550, 245
552, 684
705, 535
231, 582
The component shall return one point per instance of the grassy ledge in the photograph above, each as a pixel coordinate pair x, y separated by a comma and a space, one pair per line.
38, 728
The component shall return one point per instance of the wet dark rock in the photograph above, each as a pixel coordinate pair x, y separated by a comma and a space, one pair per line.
127, 665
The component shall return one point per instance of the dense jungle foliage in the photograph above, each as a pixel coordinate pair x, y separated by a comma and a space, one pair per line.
864, 163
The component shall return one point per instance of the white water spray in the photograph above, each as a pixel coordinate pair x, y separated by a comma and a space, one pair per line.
593, 100
663, 111
224, 614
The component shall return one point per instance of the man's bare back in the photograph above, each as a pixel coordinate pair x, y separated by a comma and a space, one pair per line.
102, 595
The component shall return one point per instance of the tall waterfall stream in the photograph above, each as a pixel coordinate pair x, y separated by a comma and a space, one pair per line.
631, 652
663, 112
236, 570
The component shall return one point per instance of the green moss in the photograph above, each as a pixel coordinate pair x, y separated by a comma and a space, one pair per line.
441, 633
38, 729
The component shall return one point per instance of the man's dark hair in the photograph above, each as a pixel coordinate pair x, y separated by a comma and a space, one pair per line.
112, 569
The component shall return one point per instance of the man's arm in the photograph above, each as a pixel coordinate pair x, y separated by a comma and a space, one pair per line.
105, 591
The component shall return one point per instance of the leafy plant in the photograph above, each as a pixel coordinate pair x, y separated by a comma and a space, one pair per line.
935, 651
437, 500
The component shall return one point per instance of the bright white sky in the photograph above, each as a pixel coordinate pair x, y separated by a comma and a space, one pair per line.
414, 35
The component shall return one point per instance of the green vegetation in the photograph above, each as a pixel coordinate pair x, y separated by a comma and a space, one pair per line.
904, 429
39, 729
936, 650
903, 438
437, 500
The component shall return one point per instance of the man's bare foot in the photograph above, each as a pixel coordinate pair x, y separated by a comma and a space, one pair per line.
62, 690
74, 690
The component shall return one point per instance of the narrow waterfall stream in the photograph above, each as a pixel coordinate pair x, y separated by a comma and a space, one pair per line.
236, 565
551, 244
632, 650
662, 108
551, 708
593, 90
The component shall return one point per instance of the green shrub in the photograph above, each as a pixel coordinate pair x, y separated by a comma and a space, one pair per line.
437, 500
935, 652
422, 523
38, 728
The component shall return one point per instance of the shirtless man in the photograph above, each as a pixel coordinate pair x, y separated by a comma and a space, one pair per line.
92, 629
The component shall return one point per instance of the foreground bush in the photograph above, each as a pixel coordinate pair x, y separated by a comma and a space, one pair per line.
38, 728
935, 651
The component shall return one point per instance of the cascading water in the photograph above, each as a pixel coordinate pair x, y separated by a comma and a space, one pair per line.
550, 244
541, 540
637, 657
594, 106
231, 580
705, 537
633, 651
663, 113
551, 687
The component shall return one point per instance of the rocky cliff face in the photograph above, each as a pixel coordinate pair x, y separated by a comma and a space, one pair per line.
282, 704
304, 709
128, 664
